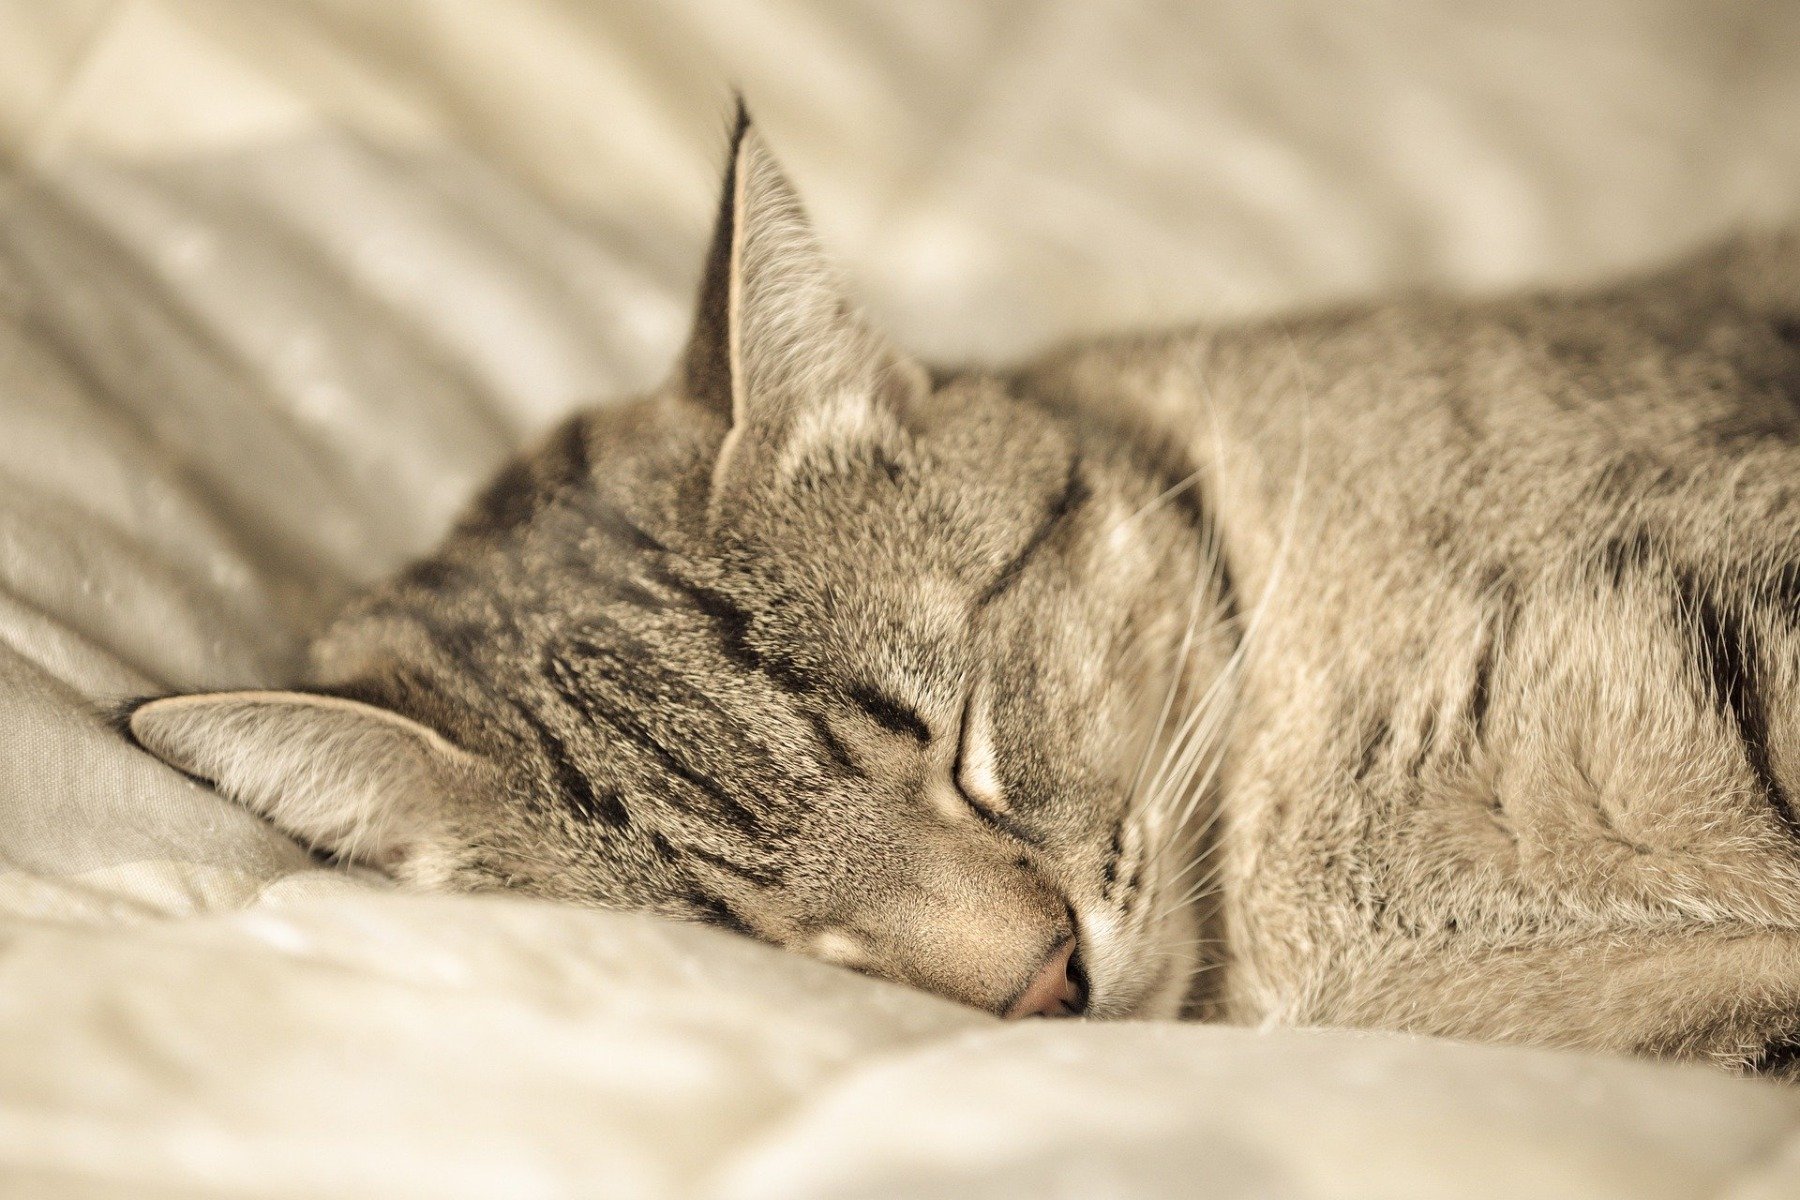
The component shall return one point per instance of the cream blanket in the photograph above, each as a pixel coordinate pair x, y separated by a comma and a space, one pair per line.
281, 282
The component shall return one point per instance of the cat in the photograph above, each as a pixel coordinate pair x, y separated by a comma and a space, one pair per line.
1427, 664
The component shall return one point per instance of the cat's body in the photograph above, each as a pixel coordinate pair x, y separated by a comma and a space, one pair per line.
1429, 665
1518, 722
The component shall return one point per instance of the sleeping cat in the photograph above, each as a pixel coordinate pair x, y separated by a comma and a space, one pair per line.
1427, 665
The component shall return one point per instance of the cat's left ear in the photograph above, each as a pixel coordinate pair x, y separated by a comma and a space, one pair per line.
778, 348
348, 778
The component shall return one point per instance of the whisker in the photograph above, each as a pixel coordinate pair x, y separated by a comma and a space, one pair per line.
1175, 676
1192, 762
1161, 498
1209, 552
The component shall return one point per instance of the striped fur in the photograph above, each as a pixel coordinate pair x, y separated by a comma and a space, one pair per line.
1429, 664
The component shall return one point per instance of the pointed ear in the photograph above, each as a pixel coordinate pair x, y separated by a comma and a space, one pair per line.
344, 777
778, 349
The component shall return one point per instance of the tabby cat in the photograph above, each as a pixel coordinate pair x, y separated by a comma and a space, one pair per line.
1430, 665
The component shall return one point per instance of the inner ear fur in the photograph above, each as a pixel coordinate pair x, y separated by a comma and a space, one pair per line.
351, 779
779, 352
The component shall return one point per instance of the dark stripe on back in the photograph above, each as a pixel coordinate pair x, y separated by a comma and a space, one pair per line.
1726, 655
1375, 739
1481, 692
1075, 492
1481, 689
526, 486
628, 592
1624, 556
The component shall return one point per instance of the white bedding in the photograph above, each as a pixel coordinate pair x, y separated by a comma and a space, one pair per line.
281, 282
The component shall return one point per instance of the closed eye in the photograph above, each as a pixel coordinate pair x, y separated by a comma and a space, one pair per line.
974, 769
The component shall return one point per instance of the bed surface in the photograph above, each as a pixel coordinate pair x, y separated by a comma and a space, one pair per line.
280, 284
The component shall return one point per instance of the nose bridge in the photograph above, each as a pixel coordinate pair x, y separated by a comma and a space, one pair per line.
964, 918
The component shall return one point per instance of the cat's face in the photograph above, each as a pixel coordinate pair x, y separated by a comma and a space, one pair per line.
873, 668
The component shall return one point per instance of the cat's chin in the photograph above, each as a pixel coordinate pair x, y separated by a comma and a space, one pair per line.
1157, 975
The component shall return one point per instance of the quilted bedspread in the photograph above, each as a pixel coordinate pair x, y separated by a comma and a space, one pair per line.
282, 280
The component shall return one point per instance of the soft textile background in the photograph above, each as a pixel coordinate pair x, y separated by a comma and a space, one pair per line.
281, 281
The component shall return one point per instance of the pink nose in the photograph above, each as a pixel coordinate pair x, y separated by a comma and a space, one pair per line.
1059, 989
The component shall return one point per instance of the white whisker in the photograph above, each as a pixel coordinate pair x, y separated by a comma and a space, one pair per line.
1191, 761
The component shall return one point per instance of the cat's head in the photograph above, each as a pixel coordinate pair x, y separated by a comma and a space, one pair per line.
885, 668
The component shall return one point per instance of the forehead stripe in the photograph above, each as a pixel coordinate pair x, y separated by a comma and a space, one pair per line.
589, 704
732, 623
891, 714
767, 876
835, 750
715, 911
594, 807
1074, 494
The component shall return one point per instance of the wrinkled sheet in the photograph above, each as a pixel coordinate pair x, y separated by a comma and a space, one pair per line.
279, 285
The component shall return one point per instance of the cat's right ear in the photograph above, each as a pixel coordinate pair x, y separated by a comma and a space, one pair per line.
350, 779
779, 351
